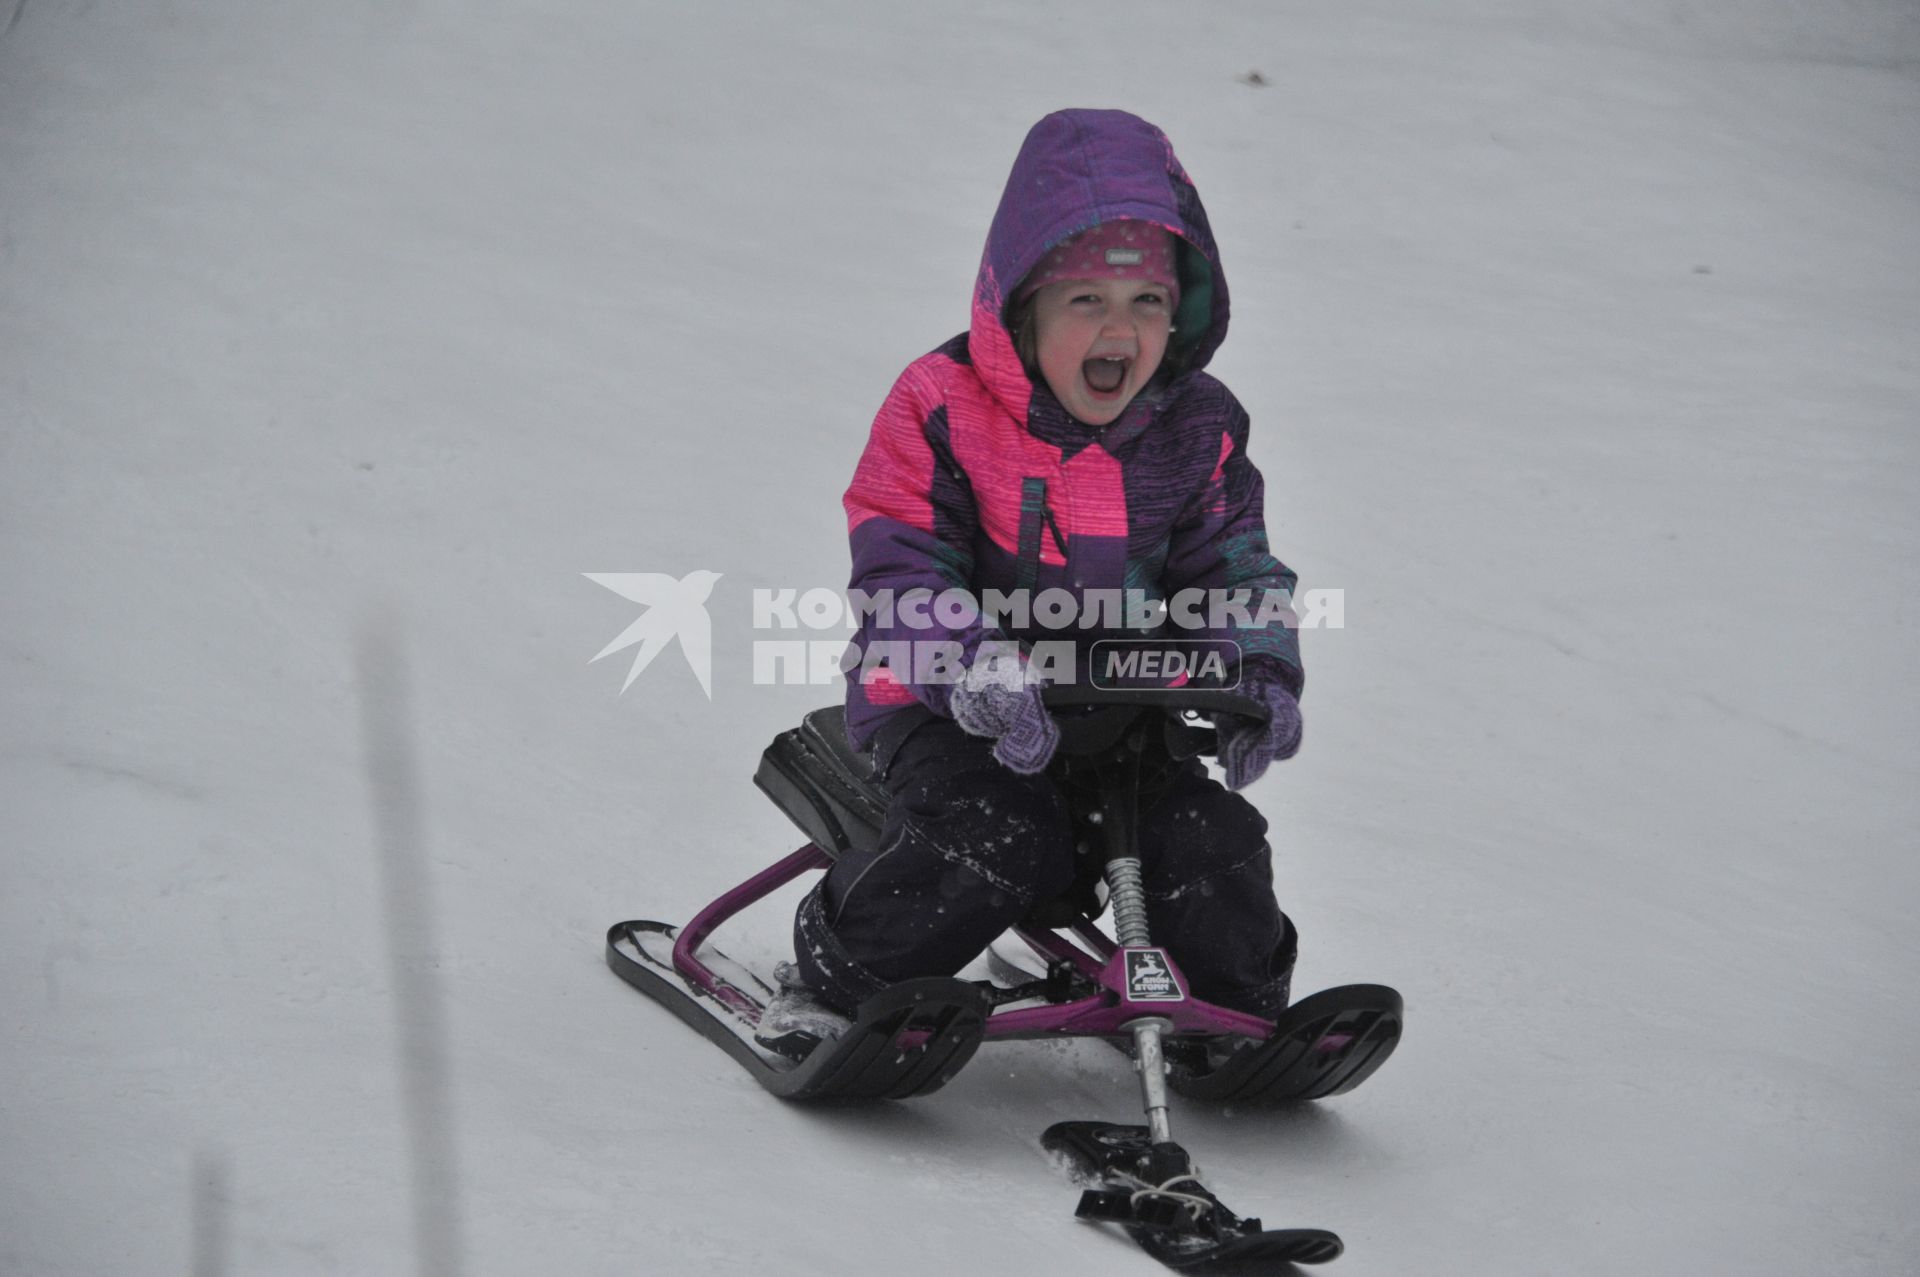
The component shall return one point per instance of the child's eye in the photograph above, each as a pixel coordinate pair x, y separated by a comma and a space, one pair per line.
1150, 299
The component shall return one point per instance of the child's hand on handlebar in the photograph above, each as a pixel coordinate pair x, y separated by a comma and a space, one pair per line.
1247, 748
999, 698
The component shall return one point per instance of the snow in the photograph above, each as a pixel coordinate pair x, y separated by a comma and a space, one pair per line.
337, 342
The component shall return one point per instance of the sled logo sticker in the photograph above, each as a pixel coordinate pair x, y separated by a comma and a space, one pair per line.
1150, 979
676, 609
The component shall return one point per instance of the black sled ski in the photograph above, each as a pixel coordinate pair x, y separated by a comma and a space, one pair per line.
1322, 1045
1149, 1189
907, 1040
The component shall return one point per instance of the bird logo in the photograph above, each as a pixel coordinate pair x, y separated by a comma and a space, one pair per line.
674, 609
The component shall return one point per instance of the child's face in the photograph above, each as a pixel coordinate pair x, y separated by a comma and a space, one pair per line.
1099, 341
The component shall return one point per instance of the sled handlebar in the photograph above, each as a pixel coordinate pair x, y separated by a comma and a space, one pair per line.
1111, 712
1200, 700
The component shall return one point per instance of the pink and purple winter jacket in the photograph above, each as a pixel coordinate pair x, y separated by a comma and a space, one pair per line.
975, 477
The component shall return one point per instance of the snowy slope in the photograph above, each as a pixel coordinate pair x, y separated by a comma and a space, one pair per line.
337, 341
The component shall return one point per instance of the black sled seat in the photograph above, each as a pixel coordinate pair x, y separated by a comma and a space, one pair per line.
831, 791
826, 787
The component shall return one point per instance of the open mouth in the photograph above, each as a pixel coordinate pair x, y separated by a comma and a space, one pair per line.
1105, 376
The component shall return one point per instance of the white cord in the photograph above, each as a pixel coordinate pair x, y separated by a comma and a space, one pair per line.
1192, 1201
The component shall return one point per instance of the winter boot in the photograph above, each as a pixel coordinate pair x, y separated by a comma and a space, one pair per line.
1268, 1001
796, 1020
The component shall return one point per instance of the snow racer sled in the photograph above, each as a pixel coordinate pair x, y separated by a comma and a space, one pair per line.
1056, 974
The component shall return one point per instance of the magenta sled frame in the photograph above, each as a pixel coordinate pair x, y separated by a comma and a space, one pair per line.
1105, 1013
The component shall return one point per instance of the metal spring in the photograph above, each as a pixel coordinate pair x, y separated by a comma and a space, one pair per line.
1127, 897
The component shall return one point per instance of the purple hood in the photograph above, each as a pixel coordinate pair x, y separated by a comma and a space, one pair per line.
1078, 169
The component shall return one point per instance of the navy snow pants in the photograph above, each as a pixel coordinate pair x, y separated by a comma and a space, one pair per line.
970, 847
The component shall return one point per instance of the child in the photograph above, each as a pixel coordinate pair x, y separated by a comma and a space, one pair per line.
1068, 441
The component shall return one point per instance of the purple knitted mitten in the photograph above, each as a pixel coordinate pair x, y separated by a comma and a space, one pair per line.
995, 700
1248, 748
